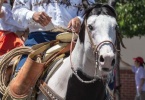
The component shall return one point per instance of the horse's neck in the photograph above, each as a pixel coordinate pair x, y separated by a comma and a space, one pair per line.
81, 61
59, 81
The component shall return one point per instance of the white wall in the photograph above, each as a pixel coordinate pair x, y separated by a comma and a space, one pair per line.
135, 47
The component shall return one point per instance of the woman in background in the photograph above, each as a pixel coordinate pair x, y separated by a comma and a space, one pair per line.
139, 71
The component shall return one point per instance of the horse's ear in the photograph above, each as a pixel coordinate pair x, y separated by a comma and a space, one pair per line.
86, 4
112, 3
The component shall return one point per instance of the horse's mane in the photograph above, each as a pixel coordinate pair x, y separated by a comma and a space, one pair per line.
96, 9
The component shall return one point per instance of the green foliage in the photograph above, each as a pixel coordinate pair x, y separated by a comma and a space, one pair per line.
131, 17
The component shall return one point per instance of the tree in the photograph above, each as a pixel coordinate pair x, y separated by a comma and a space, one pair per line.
131, 17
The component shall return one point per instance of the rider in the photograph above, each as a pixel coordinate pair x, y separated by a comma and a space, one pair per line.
42, 16
8, 29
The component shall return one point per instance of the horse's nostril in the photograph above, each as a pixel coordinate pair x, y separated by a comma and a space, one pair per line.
101, 59
113, 62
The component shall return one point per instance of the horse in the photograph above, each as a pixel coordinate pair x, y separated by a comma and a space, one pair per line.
80, 76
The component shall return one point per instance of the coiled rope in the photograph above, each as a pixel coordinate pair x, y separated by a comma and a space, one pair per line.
6, 60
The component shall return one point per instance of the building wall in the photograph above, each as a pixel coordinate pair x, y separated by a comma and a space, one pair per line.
135, 47
127, 85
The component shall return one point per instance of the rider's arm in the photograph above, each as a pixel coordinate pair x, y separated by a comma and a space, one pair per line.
1, 11
8, 17
22, 12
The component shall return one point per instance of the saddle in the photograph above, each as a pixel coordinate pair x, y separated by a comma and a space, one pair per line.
40, 57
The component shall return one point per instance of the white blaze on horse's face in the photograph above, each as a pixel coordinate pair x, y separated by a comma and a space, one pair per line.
103, 28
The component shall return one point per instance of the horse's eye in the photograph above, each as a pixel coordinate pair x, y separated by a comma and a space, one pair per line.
90, 27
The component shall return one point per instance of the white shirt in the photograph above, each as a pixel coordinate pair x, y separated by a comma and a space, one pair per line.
139, 74
61, 14
7, 23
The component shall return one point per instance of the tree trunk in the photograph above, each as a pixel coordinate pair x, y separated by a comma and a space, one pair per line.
117, 75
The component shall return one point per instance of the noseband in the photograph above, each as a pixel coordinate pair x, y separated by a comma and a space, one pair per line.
96, 50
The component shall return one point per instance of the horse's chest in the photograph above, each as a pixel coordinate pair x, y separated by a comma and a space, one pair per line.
77, 90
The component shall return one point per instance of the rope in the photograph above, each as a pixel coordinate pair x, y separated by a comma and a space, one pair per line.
5, 61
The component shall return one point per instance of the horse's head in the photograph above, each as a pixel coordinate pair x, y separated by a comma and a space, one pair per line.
100, 35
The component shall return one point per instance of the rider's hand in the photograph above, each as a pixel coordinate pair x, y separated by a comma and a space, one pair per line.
1, 11
42, 18
1, 3
2, 14
75, 24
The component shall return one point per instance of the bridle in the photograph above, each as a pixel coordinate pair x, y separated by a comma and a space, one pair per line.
96, 50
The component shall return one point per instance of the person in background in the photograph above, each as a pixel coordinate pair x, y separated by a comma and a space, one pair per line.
43, 16
8, 29
139, 71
